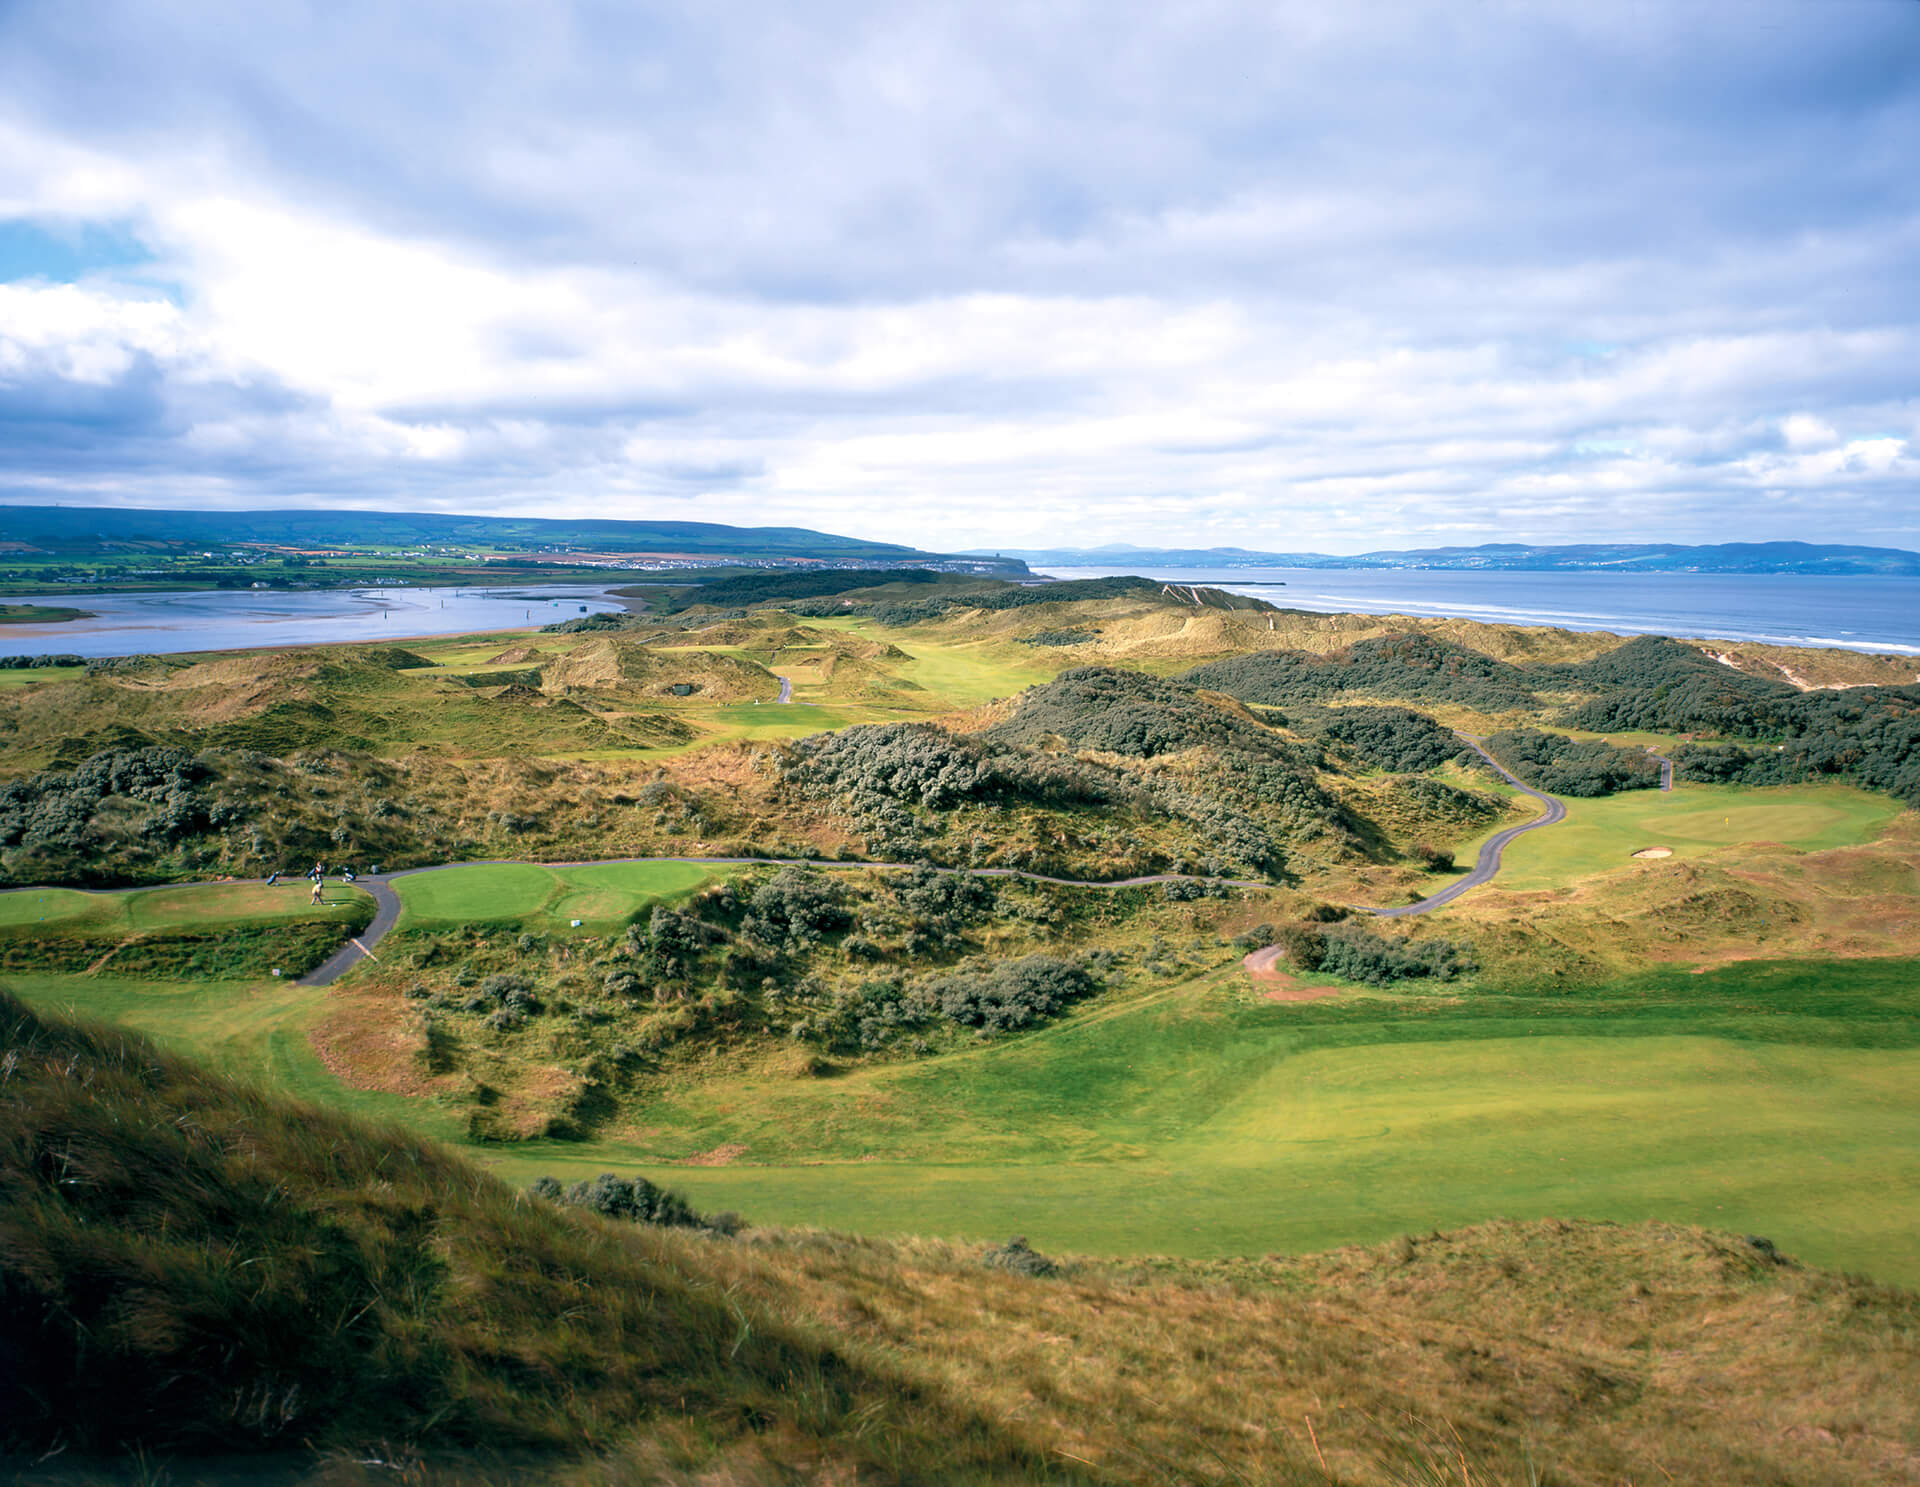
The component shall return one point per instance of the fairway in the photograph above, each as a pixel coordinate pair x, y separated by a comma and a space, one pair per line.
603, 896
1601, 835
1354, 1147
1195, 1119
1189, 1123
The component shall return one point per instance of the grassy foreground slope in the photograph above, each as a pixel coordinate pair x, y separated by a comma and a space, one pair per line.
191, 1264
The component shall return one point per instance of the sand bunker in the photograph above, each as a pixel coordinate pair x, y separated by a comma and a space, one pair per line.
1654, 852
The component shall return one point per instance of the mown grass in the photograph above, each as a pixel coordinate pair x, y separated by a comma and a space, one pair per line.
220, 931
254, 1030
603, 896
1601, 835
171, 908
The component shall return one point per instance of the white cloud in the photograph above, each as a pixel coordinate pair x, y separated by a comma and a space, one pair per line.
979, 276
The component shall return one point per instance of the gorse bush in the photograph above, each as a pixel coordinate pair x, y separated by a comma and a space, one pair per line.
1415, 668
1565, 766
1397, 739
797, 907
63, 812
634, 1200
1357, 954
923, 764
1127, 712
1015, 994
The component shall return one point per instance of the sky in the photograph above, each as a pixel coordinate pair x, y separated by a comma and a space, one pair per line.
1288, 276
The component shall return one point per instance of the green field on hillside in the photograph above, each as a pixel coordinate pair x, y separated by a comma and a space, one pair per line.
1199, 1120
254, 1030
1202, 1122
1601, 835
603, 896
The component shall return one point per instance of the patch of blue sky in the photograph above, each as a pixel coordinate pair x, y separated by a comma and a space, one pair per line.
65, 253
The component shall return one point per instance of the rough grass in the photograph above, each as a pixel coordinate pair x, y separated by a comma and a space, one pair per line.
192, 1264
251, 1273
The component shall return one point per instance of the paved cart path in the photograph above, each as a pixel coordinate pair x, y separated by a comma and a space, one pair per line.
1490, 850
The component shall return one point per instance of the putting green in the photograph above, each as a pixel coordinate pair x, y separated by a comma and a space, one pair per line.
487, 892
1602, 835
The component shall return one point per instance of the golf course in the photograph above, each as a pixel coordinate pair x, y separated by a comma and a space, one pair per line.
832, 1047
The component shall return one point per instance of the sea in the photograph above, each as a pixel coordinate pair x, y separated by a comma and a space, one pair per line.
1871, 613
1875, 614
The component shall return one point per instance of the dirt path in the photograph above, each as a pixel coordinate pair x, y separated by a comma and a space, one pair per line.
1276, 985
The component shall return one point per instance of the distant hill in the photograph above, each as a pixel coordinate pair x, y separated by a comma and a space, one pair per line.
1666, 557
96, 529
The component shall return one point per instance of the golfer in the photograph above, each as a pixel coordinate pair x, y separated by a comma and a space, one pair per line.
319, 888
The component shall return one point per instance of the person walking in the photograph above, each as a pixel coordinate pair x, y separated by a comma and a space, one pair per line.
319, 889
274, 879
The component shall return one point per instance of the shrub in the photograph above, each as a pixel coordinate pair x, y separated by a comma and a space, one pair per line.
1018, 1256
633, 1199
1564, 766
506, 986
797, 907
1014, 994
1391, 738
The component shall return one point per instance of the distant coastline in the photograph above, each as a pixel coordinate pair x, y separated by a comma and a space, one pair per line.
1877, 614
1803, 558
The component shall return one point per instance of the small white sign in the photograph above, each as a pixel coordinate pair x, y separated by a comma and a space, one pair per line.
574, 922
